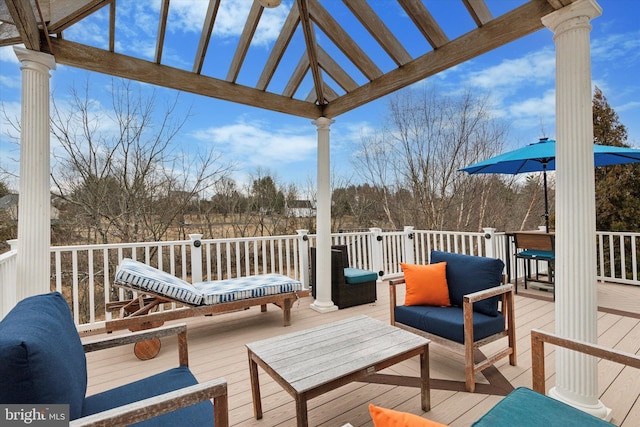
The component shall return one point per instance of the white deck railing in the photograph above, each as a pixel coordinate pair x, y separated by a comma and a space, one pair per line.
8, 262
84, 273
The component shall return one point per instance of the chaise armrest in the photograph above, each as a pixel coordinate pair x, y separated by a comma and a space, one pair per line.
215, 389
139, 411
139, 336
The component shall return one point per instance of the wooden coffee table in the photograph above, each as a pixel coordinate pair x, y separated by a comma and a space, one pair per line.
314, 361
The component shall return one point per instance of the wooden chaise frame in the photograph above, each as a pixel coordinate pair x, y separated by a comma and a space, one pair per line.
137, 313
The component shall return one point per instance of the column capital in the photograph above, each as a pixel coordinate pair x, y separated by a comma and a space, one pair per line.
323, 122
575, 15
40, 58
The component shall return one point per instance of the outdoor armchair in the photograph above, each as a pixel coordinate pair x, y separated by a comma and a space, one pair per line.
42, 361
349, 286
480, 309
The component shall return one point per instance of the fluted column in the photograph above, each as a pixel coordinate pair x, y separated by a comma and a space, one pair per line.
34, 206
323, 302
576, 293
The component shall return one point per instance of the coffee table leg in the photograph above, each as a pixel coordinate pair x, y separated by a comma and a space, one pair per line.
255, 387
301, 410
425, 386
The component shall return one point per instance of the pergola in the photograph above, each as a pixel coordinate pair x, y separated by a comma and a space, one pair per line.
339, 83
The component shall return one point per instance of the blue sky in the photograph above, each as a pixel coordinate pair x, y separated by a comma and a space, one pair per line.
519, 78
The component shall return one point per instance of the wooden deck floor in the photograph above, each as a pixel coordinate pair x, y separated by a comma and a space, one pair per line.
217, 349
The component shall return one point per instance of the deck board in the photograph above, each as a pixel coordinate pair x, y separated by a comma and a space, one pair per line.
217, 348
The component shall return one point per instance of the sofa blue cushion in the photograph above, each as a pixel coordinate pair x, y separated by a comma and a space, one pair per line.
200, 414
41, 356
526, 408
467, 274
354, 276
448, 322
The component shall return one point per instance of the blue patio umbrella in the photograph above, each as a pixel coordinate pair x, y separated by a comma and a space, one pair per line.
541, 157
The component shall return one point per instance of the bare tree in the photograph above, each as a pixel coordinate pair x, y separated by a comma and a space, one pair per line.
117, 169
429, 137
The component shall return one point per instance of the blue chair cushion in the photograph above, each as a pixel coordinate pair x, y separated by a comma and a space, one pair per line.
200, 414
448, 322
533, 253
467, 274
526, 408
41, 356
354, 276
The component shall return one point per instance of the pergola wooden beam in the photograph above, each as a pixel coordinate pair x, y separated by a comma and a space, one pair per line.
102, 61
425, 22
343, 40
378, 30
25, 21
312, 53
479, 11
162, 29
510, 26
245, 41
279, 47
205, 36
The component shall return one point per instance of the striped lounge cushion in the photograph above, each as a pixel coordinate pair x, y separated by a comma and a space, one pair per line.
142, 277
219, 291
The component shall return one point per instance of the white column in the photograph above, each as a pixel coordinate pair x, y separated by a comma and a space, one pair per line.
34, 207
575, 282
323, 302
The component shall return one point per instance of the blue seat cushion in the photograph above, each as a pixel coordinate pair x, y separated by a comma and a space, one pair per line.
467, 274
448, 322
527, 408
533, 253
200, 414
41, 356
355, 275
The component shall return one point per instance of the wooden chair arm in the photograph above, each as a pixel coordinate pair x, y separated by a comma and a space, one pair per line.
144, 335
139, 411
538, 338
396, 282
488, 293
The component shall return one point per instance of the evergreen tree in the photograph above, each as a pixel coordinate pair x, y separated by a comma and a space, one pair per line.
617, 187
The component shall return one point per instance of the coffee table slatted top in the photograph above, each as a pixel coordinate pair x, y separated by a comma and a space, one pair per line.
307, 359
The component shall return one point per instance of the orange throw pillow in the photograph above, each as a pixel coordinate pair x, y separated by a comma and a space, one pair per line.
389, 418
426, 284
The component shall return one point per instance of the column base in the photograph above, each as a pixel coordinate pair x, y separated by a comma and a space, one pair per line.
598, 410
323, 307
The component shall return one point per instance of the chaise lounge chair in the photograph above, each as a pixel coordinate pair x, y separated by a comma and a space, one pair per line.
156, 287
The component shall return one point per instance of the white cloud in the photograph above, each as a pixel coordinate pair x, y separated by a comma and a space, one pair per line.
8, 55
536, 68
187, 16
616, 47
253, 144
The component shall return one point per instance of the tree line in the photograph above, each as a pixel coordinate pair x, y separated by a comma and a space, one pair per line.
118, 177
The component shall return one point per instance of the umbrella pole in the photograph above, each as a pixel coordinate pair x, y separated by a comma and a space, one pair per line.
546, 199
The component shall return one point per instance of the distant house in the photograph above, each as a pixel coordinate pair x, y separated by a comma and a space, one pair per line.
9, 204
300, 208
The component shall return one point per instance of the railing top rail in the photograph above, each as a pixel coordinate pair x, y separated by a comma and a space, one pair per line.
618, 233
8, 255
166, 243
259, 238
117, 245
